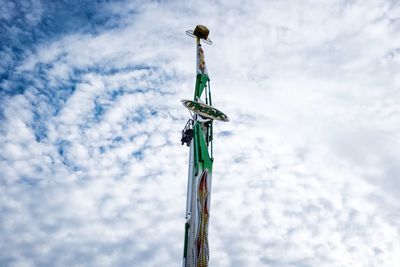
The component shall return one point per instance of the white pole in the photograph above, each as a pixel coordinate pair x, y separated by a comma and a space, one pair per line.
190, 181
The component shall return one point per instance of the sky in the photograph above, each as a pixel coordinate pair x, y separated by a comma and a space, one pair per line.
306, 173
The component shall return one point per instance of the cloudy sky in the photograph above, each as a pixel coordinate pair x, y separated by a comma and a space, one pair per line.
306, 173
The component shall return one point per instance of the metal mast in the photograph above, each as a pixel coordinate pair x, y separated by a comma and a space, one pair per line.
198, 135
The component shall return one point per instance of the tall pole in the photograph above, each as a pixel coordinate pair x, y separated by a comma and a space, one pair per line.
198, 135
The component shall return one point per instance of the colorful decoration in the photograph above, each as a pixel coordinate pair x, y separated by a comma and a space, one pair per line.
205, 110
202, 234
201, 62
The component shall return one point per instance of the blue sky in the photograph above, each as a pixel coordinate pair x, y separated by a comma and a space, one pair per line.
306, 172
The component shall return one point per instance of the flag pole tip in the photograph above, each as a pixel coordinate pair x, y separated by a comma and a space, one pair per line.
201, 32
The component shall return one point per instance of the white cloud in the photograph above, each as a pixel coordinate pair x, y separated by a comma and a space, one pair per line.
305, 172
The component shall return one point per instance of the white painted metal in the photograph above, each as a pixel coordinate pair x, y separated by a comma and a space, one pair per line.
190, 180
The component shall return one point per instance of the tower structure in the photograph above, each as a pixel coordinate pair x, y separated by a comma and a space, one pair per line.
198, 135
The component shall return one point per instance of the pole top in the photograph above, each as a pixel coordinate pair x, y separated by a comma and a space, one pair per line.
200, 32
